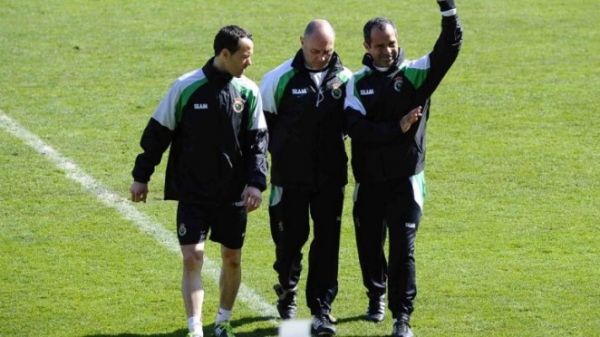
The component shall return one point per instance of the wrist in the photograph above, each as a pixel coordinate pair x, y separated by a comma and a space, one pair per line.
404, 127
257, 186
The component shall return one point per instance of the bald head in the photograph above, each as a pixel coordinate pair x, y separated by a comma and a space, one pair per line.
318, 43
320, 27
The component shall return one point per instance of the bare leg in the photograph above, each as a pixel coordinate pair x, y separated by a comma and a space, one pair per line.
231, 276
192, 288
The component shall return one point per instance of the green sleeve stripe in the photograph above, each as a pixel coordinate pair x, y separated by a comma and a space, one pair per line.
185, 96
416, 76
417, 71
357, 77
283, 81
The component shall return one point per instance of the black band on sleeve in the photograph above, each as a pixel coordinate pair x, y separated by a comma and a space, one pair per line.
446, 5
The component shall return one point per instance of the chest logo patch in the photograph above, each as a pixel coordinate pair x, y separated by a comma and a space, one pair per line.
365, 92
336, 91
398, 81
238, 105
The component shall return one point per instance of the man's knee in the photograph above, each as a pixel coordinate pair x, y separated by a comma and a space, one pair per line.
192, 259
232, 257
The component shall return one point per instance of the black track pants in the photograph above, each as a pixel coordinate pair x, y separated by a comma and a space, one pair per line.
290, 228
392, 209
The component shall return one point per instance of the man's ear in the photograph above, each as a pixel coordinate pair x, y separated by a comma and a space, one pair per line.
366, 45
302, 40
225, 54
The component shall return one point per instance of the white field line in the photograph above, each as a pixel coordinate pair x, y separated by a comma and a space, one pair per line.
211, 269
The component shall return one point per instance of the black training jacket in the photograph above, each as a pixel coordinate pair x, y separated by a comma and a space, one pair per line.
376, 101
306, 124
215, 126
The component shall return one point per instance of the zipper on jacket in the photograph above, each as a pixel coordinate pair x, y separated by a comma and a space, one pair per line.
320, 96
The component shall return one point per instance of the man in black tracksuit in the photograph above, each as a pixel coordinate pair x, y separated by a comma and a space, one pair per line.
387, 107
303, 100
213, 121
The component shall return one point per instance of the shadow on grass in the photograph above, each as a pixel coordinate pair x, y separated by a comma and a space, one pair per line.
351, 319
261, 332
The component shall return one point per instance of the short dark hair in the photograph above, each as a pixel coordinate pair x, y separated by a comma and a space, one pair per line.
380, 23
229, 38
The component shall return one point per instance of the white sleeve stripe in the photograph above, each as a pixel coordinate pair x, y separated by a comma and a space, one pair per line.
450, 12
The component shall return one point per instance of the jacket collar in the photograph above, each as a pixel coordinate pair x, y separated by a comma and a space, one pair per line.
334, 66
215, 75
368, 61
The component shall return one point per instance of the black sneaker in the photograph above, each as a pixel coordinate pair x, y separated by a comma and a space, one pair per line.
322, 326
401, 329
286, 302
376, 308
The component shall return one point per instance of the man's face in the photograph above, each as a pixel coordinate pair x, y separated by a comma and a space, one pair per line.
237, 62
384, 46
317, 49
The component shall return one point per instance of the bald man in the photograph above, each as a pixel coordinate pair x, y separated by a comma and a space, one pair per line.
303, 101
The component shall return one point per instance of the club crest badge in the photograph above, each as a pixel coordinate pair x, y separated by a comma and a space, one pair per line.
398, 83
182, 230
336, 91
238, 105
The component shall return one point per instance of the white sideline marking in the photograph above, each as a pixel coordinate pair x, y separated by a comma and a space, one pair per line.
252, 299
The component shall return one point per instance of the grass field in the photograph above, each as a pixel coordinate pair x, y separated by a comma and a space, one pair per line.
509, 244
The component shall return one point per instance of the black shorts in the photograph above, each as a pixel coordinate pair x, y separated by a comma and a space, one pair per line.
226, 224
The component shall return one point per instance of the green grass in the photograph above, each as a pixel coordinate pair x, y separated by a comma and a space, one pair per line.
508, 245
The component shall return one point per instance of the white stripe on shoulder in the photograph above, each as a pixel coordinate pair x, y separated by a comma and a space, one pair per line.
165, 111
281, 69
269, 83
247, 82
422, 63
361, 71
191, 77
